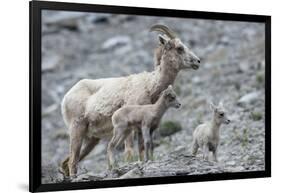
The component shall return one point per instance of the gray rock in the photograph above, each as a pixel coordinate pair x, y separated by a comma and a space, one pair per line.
98, 18
50, 63
114, 42
134, 173
64, 19
249, 98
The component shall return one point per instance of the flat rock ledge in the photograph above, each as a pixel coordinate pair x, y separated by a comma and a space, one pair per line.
174, 164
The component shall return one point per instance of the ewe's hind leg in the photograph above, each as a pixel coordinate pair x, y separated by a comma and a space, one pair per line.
129, 150
88, 147
77, 133
64, 166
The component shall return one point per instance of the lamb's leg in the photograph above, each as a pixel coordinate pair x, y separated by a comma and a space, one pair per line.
110, 152
118, 138
205, 152
147, 141
129, 151
151, 144
140, 146
195, 147
77, 133
215, 155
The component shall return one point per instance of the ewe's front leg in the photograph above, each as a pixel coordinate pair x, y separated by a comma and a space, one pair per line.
77, 134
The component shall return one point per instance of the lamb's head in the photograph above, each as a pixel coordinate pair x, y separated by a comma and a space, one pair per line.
219, 113
170, 98
173, 51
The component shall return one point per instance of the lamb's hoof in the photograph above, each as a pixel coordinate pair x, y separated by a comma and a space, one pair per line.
206, 159
113, 166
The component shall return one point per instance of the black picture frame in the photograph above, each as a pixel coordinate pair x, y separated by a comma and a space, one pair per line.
35, 8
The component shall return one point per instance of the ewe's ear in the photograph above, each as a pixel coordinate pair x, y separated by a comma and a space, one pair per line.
162, 39
168, 45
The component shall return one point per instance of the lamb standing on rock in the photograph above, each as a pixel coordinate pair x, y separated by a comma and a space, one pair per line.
88, 106
206, 136
144, 118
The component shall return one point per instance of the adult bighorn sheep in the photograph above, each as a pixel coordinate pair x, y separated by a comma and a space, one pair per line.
88, 106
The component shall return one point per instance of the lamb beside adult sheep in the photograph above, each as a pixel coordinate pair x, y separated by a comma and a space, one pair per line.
206, 136
142, 118
88, 106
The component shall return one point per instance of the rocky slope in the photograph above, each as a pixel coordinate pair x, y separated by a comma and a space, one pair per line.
85, 45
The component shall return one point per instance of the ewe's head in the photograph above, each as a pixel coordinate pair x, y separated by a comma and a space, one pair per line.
177, 54
170, 98
219, 113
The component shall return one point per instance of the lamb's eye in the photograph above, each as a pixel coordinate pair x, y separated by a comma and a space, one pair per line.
180, 49
221, 114
172, 98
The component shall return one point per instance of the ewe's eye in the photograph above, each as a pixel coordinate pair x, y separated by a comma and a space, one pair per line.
221, 114
180, 49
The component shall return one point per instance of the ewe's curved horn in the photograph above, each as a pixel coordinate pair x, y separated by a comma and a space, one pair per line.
164, 29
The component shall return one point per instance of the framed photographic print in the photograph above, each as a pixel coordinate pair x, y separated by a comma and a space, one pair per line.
126, 96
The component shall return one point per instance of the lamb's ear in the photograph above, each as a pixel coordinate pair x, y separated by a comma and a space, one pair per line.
167, 92
162, 39
212, 106
221, 104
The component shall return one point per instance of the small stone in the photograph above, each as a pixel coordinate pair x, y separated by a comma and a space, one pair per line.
134, 173
249, 98
231, 163
115, 42
50, 63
